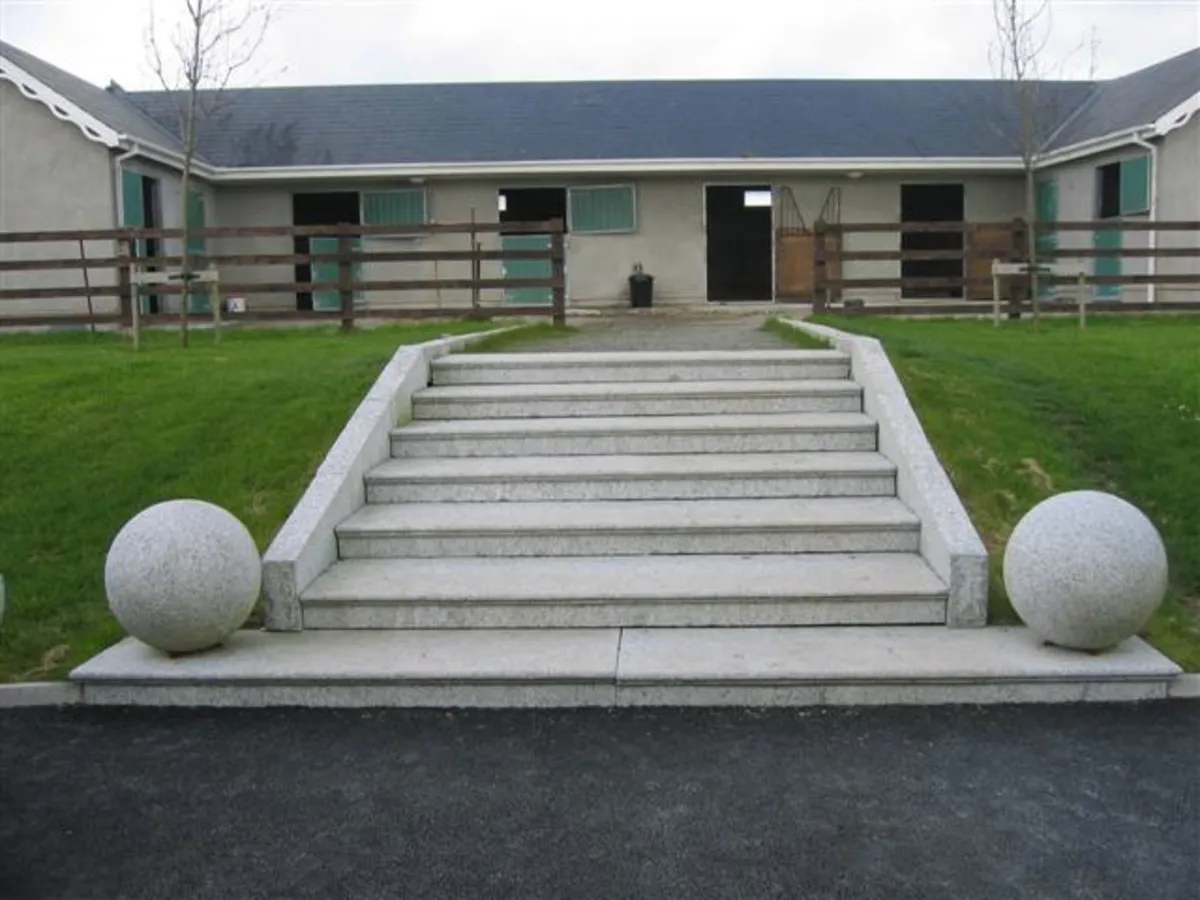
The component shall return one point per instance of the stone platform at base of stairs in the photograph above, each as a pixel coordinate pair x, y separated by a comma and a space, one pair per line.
833, 666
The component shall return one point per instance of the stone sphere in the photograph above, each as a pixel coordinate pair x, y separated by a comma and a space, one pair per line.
1085, 570
182, 575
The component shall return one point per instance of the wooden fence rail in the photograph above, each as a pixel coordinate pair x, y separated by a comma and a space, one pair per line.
128, 256
1007, 242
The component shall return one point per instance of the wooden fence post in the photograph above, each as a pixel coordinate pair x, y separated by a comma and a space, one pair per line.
820, 262
87, 286
346, 279
558, 272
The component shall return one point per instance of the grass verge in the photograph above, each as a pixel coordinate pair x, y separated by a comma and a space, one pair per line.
793, 336
1021, 412
91, 433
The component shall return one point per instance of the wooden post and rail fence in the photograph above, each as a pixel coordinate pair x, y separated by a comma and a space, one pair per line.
984, 259
136, 272
994, 265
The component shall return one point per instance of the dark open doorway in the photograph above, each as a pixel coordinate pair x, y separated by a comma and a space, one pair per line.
152, 216
533, 204
319, 209
541, 204
932, 203
738, 229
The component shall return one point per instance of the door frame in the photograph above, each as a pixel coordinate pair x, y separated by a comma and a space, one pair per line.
774, 188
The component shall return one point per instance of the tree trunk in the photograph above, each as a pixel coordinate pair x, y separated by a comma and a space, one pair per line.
185, 273
1031, 238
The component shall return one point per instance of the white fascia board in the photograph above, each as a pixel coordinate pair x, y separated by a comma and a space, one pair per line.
1179, 116
60, 107
1169, 121
613, 167
1093, 147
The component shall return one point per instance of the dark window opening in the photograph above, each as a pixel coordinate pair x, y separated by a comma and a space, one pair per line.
1108, 191
739, 244
533, 204
319, 209
932, 203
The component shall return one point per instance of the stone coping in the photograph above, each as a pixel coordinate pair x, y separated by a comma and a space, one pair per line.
306, 546
949, 541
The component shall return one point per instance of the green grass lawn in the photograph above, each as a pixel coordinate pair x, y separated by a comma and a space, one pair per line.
91, 433
1022, 412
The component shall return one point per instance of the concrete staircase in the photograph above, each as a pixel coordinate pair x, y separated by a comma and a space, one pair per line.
627, 529
631, 490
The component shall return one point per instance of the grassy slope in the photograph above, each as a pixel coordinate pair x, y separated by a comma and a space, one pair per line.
91, 433
1019, 413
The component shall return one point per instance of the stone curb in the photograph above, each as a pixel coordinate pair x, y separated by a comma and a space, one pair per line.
1185, 687
949, 541
305, 546
39, 693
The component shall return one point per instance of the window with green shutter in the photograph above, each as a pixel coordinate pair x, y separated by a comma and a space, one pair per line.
1135, 185
603, 210
403, 208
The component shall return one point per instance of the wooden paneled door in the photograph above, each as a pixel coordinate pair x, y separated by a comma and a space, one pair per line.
984, 244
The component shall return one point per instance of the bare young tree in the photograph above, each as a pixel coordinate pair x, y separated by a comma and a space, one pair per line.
1022, 33
213, 41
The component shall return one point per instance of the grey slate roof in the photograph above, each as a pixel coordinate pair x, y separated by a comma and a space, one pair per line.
113, 110
649, 120
1136, 99
463, 123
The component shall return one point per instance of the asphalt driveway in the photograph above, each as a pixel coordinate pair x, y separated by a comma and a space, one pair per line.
964, 803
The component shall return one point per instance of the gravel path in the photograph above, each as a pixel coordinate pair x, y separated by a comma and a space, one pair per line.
1039, 802
647, 334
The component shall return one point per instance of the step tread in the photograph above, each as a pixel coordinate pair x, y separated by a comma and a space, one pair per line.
617, 579
653, 358
630, 466
617, 391
594, 516
870, 655
739, 423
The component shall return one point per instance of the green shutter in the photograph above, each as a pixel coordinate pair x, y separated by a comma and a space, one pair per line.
1107, 239
597, 210
1047, 211
328, 271
1135, 185
133, 215
404, 208
528, 268
198, 299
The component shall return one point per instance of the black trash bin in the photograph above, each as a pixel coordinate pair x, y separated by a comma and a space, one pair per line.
641, 290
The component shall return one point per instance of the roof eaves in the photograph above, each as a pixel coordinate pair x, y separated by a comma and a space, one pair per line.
59, 106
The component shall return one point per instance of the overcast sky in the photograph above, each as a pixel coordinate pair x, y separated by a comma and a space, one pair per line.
363, 41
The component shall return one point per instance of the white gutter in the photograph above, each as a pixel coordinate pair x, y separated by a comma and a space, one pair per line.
616, 166
1152, 235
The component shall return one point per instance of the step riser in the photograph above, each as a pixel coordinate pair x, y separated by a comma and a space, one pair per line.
699, 488
602, 444
744, 612
429, 409
863, 540
449, 376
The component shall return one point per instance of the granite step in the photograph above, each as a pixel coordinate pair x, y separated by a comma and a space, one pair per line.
630, 527
632, 477
607, 591
779, 433
586, 368
606, 667
538, 401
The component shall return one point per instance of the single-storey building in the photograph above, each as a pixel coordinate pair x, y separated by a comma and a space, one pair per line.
700, 182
